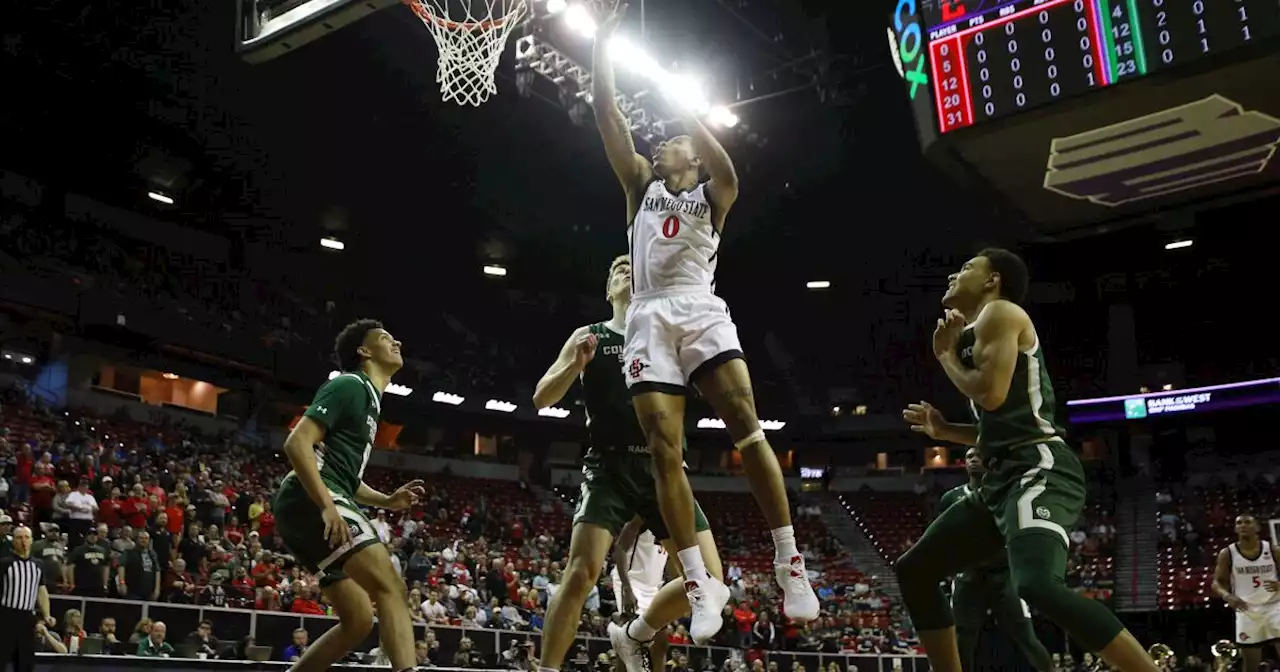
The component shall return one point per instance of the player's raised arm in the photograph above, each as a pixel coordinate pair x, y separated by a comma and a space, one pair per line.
574, 355
633, 170
723, 185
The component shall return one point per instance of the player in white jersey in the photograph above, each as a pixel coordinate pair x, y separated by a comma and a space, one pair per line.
639, 567
1247, 581
646, 564
679, 333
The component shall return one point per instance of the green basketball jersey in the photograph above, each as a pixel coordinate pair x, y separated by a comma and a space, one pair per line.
1029, 412
611, 419
348, 407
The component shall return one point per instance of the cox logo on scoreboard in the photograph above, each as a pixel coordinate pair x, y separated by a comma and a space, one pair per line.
906, 44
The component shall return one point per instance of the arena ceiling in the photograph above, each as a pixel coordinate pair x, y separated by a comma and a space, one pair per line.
347, 137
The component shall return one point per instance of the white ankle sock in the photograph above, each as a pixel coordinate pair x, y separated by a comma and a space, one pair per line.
691, 561
784, 544
547, 669
640, 630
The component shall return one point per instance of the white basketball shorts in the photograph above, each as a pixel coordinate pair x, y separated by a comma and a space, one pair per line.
674, 335
643, 590
1260, 625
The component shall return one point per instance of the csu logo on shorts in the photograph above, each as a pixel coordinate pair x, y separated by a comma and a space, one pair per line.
354, 529
636, 367
1042, 512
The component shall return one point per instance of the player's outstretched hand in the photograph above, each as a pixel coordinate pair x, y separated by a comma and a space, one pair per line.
407, 495
584, 350
610, 14
947, 334
335, 528
924, 418
1272, 586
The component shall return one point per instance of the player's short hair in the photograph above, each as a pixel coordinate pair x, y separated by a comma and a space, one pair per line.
608, 280
1014, 276
349, 341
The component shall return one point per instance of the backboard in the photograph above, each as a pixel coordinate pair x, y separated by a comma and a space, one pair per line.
266, 29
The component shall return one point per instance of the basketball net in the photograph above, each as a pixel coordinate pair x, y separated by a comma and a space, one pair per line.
470, 46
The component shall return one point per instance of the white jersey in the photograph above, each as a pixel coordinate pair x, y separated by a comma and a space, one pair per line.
648, 562
1249, 577
674, 241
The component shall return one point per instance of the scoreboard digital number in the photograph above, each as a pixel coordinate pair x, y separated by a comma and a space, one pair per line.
990, 59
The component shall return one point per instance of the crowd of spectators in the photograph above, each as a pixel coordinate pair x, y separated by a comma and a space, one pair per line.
157, 512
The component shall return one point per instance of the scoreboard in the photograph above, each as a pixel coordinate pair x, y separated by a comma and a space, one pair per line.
1075, 116
991, 59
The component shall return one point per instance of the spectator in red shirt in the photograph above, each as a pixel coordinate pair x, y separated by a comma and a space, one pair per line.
22, 477
110, 509
152, 487
137, 508
266, 522
745, 618
43, 489
304, 601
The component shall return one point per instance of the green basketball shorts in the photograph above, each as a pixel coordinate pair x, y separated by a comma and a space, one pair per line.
1037, 489
299, 524
619, 487
979, 592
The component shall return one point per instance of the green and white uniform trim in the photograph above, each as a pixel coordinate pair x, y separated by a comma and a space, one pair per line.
1029, 413
348, 407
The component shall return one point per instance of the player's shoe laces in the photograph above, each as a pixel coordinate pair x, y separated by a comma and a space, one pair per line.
706, 600
633, 654
799, 601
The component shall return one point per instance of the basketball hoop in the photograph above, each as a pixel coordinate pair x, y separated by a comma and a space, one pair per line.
470, 36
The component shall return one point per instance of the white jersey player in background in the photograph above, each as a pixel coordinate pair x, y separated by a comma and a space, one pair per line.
1246, 580
679, 333
640, 564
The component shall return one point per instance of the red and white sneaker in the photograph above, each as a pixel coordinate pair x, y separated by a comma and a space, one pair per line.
707, 598
799, 601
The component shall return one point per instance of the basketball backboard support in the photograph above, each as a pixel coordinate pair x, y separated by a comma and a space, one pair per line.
266, 29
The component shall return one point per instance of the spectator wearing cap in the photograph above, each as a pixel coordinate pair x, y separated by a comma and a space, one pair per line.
51, 553
102, 488
6, 535
88, 569
82, 509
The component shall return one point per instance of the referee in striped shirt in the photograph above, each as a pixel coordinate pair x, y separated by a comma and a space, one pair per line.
22, 592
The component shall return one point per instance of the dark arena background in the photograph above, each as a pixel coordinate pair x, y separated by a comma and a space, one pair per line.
196, 196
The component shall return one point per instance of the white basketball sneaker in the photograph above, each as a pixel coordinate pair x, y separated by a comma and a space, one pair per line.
799, 601
707, 598
633, 654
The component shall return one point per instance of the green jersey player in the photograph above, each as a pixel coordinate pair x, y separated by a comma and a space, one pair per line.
1034, 488
317, 510
986, 590
618, 489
